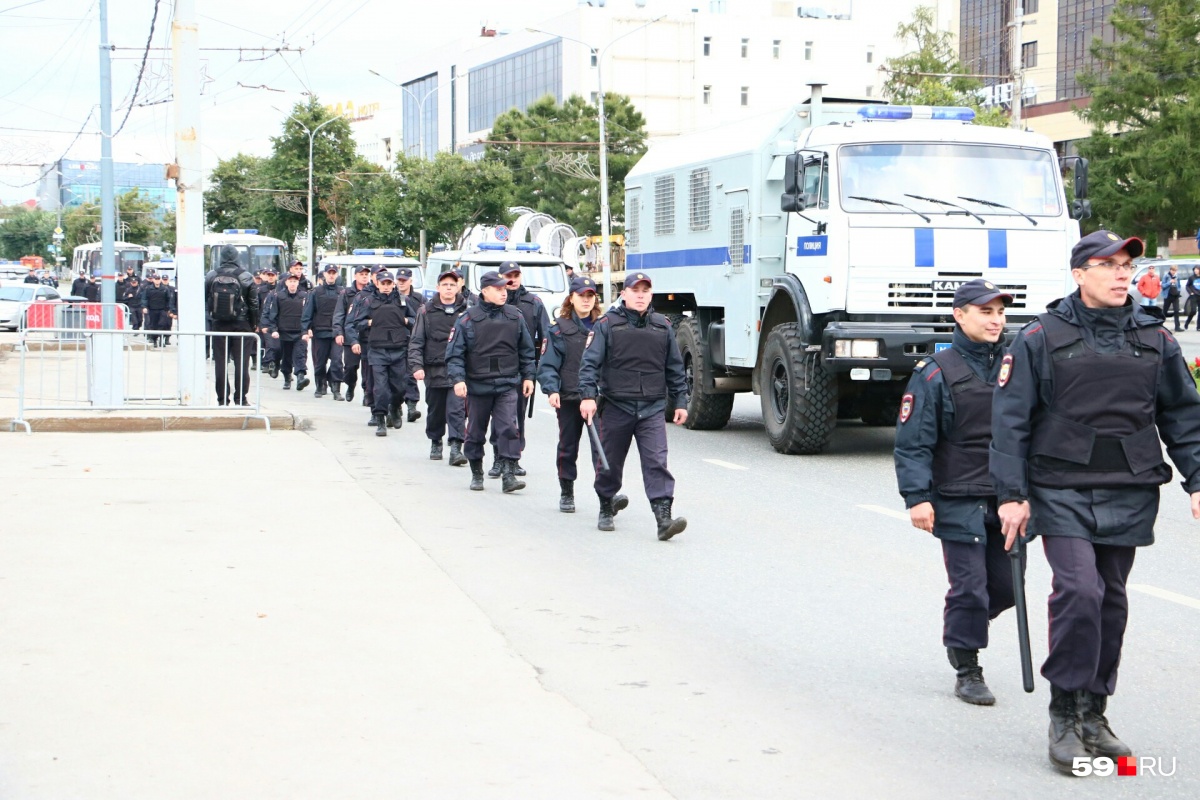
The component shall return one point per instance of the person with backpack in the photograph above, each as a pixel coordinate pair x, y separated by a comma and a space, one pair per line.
231, 303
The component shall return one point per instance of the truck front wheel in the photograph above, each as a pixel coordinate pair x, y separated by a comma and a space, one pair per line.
799, 398
706, 412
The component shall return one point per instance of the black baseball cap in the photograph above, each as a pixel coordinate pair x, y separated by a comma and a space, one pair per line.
449, 272
1103, 244
291, 277
492, 278
509, 267
404, 272
362, 268
581, 285
638, 277
331, 268
979, 292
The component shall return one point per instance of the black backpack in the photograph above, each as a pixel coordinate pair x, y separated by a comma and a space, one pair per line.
228, 304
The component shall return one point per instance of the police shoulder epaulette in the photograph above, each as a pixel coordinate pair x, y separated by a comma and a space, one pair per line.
920, 365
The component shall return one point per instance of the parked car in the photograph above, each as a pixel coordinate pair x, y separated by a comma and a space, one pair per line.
15, 295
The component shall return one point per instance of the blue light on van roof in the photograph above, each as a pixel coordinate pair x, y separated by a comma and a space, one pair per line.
376, 251
491, 246
528, 246
247, 231
958, 113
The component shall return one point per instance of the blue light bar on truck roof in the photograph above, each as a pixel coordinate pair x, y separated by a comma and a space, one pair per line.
527, 247
491, 246
367, 251
958, 113
246, 231
530, 247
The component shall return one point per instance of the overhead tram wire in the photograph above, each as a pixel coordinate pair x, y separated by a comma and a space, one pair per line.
141, 70
51, 166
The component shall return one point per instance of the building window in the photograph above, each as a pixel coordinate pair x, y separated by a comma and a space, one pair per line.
870, 91
870, 55
420, 116
775, 49
1080, 23
664, 205
707, 95
595, 98
808, 51
1029, 55
699, 199
515, 81
1031, 6
745, 95
633, 222
745, 48
594, 58
708, 45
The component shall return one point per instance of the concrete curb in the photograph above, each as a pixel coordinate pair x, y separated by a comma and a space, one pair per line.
104, 423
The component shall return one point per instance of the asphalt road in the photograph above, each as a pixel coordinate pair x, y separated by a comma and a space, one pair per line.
788, 644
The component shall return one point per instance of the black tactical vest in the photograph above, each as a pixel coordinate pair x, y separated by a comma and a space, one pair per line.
636, 364
158, 298
1099, 430
438, 325
325, 300
527, 303
288, 309
574, 339
388, 330
960, 458
493, 353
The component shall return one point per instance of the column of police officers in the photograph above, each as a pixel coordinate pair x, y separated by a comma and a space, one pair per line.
1060, 437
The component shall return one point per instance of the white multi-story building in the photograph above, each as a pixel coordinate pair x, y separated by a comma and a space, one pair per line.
689, 70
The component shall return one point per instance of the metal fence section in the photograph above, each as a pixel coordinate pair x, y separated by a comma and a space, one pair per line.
71, 318
57, 373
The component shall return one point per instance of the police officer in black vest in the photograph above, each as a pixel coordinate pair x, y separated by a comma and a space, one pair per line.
389, 321
558, 373
1082, 399
266, 291
282, 320
941, 457
632, 363
131, 293
317, 323
350, 359
537, 321
427, 362
404, 288
158, 310
490, 356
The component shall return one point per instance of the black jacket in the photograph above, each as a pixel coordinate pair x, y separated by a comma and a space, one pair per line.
462, 339
78, 285
324, 293
270, 315
358, 321
558, 370
596, 352
428, 352
249, 291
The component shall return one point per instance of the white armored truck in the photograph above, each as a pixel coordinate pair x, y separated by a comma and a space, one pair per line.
812, 257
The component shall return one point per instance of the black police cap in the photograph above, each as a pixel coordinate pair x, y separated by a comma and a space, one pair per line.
979, 292
1103, 244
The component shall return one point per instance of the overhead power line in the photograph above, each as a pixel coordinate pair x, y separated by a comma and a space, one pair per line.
141, 69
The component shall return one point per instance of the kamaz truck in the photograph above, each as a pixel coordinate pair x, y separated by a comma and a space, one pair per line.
812, 256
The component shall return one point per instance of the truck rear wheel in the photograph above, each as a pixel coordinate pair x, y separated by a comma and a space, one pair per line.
799, 401
706, 411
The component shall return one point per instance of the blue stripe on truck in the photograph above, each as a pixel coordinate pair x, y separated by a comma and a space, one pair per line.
923, 245
998, 249
696, 257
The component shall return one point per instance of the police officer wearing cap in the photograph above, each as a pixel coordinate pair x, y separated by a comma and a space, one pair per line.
942, 438
490, 360
317, 324
350, 359
297, 269
282, 319
632, 363
1085, 394
537, 321
266, 291
427, 362
558, 374
388, 320
404, 288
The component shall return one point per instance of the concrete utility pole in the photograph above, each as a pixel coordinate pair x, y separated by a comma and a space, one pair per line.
1018, 69
107, 388
189, 202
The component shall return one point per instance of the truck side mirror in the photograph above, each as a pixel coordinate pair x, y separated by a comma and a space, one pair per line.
793, 174
792, 201
1081, 180
1081, 209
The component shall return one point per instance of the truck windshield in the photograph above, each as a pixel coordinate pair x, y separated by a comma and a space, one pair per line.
1025, 180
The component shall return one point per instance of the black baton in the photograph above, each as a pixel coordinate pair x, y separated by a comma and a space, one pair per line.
529, 405
596, 443
1017, 556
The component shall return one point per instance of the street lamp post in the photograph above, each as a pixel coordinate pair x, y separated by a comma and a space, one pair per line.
311, 135
605, 215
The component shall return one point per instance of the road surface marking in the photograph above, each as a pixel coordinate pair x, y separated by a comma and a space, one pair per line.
1163, 594
888, 512
718, 462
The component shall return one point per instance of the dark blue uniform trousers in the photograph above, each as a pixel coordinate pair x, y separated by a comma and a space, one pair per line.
327, 360
291, 355
617, 430
389, 370
522, 408
446, 409
570, 429
1088, 611
981, 587
501, 410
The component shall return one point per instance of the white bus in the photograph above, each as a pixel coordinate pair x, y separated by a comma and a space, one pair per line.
87, 257
255, 253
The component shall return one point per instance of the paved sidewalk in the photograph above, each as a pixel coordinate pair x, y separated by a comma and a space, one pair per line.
169, 632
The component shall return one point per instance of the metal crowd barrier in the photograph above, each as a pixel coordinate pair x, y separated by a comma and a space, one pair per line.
72, 318
57, 374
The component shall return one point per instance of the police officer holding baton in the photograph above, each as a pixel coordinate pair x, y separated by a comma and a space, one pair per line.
942, 438
1083, 397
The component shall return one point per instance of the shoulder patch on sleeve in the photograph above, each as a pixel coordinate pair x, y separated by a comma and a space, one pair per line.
591, 335
906, 408
451, 338
544, 343
1005, 370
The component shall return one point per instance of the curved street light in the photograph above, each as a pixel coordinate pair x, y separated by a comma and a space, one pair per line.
311, 133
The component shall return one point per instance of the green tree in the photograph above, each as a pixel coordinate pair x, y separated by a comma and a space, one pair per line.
919, 77
449, 194
228, 201
139, 222
553, 154
25, 232
166, 231
1145, 112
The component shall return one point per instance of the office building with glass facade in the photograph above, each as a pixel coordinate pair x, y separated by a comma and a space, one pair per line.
69, 183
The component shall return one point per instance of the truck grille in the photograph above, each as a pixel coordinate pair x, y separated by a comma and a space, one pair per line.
922, 295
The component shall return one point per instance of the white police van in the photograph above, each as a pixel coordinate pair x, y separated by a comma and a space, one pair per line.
383, 257
542, 274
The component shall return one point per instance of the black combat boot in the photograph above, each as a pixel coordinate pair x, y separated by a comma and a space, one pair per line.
393, 417
969, 687
301, 381
380, 424
494, 472
1066, 734
457, 459
609, 506
287, 381
273, 370
667, 527
320, 390
1098, 738
566, 500
336, 387
349, 392
371, 421
413, 413
509, 482
518, 470
435, 449
477, 475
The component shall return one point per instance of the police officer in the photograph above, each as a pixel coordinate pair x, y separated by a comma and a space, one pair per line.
79, 285
130, 296
632, 362
351, 360
389, 322
158, 309
228, 313
558, 374
297, 269
941, 457
317, 323
427, 362
91, 291
266, 291
1076, 459
489, 356
282, 321
404, 288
